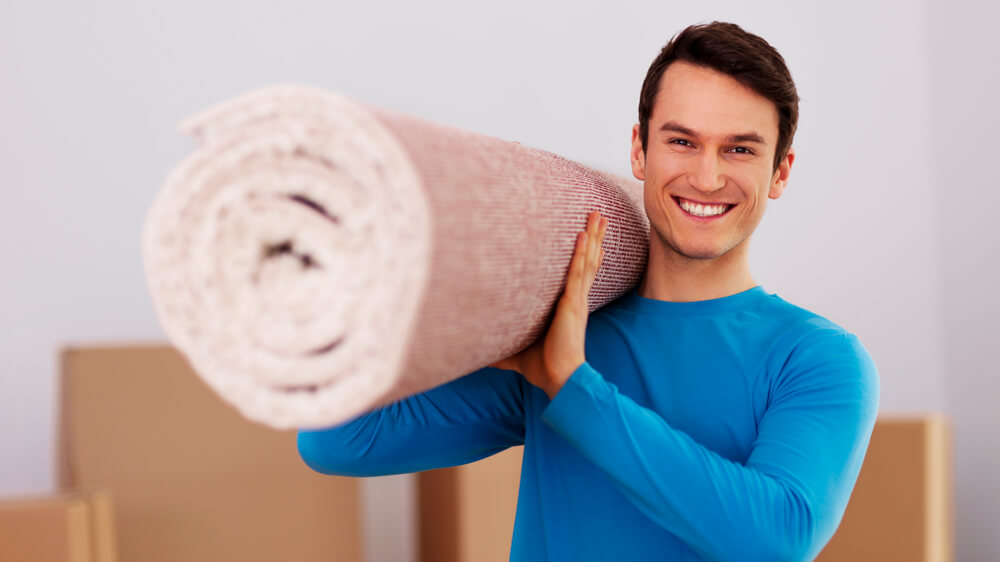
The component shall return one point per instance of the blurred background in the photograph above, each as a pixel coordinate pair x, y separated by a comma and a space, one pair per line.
887, 226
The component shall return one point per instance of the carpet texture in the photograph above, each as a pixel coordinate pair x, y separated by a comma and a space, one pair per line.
316, 257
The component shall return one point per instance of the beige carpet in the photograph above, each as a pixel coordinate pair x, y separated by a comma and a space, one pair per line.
316, 257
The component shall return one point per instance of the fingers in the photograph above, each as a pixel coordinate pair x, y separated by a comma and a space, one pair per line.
587, 257
577, 268
596, 227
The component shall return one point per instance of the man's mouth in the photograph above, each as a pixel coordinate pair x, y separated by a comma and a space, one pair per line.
702, 209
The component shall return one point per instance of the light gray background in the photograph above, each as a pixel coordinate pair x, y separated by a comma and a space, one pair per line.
886, 227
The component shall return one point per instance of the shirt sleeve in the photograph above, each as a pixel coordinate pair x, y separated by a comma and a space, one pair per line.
462, 421
785, 502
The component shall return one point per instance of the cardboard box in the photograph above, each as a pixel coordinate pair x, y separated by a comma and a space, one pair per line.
60, 528
467, 512
901, 508
191, 478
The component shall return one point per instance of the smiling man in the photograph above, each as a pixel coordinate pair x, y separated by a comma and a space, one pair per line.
697, 417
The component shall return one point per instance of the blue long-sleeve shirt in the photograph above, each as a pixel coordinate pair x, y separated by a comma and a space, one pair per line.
729, 429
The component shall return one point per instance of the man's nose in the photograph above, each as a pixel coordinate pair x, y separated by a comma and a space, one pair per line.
706, 175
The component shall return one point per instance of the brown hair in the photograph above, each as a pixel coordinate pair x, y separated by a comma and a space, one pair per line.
727, 48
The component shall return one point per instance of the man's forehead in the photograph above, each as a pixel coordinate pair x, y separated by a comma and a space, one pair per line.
711, 103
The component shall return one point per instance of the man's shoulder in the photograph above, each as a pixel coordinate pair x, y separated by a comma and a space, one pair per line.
801, 336
810, 337
800, 319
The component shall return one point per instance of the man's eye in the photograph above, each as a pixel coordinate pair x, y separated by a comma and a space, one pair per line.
682, 142
741, 150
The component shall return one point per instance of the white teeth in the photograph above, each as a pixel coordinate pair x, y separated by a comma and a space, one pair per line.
703, 210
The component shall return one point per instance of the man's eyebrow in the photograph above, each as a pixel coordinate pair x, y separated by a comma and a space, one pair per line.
673, 126
747, 137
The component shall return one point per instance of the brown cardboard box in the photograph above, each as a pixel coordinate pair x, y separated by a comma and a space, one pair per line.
467, 512
901, 508
192, 479
59, 528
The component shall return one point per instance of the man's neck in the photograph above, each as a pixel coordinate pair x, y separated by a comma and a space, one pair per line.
675, 278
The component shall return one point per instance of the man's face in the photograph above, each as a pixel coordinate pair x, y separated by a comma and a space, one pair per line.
708, 164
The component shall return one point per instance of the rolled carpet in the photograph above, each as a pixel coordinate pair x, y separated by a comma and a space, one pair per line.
316, 257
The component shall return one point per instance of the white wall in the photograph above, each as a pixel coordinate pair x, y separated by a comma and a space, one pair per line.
965, 73
884, 227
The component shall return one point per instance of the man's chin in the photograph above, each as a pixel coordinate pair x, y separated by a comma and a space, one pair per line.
700, 254
695, 250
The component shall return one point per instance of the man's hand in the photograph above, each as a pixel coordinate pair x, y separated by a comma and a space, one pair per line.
550, 361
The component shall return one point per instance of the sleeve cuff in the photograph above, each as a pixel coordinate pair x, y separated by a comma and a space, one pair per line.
574, 398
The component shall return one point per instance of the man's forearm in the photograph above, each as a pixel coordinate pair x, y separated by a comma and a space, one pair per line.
456, 423
721, 508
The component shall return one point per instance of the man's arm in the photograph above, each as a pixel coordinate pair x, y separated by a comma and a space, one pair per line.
785, 502
459, 422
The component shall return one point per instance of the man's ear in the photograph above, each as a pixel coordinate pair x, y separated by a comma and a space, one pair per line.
638, 155
780, 179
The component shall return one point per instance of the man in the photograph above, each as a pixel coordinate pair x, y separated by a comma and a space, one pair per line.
697, 417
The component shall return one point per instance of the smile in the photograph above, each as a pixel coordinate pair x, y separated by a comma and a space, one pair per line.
702, 210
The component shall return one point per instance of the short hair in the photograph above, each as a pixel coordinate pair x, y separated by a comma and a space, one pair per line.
727, 48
